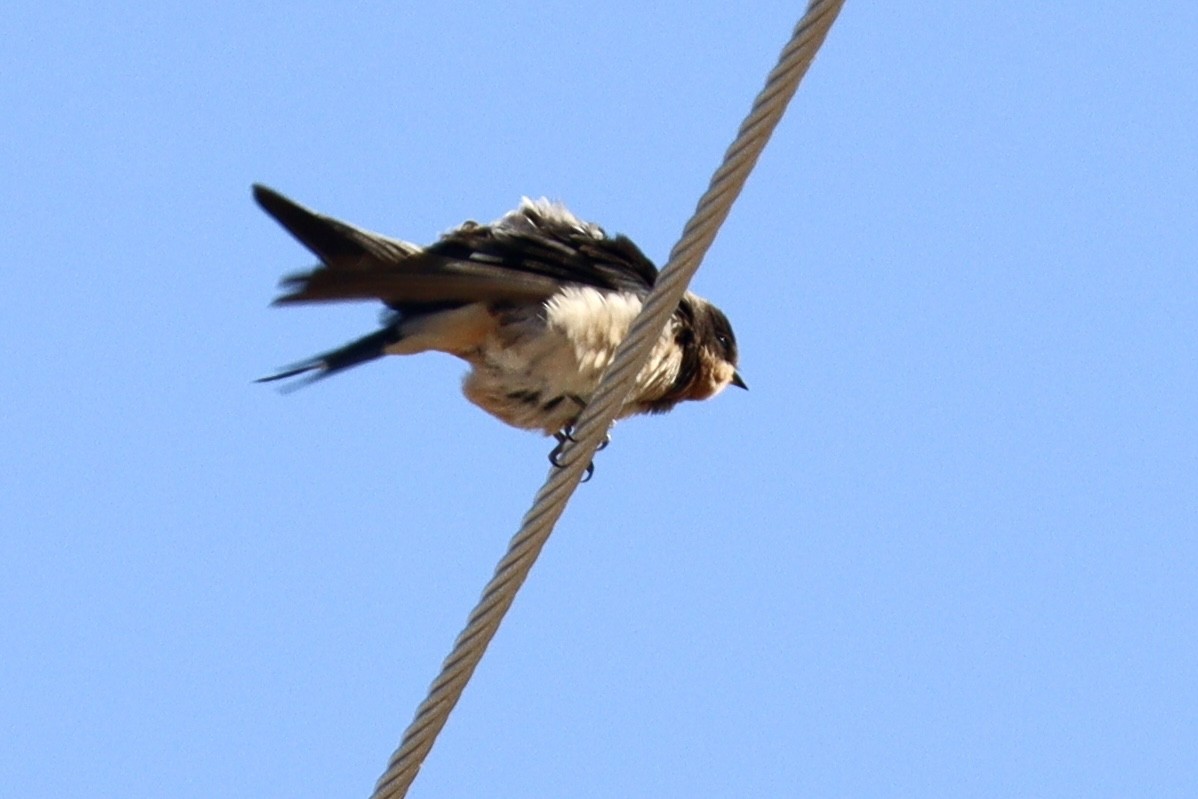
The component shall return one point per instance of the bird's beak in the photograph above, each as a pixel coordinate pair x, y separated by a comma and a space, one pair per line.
739, 381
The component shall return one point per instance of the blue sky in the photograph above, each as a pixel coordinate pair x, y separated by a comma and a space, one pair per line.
945, 546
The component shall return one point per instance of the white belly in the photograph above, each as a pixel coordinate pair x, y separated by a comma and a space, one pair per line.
538, 370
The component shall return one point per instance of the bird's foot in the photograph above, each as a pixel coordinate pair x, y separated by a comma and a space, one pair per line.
567, 434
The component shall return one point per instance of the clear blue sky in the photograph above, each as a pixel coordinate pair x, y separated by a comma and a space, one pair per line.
945, 546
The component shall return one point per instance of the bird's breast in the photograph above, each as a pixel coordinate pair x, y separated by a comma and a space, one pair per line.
543, 363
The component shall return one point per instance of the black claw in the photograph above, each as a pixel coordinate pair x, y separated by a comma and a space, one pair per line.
567, 434
555, 455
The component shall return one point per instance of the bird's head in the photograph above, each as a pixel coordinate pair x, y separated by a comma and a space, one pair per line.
718, 355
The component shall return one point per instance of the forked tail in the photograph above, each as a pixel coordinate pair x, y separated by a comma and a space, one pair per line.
328, 363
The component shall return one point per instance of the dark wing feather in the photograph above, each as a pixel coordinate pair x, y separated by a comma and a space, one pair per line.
561, 254
338, 245
471, 264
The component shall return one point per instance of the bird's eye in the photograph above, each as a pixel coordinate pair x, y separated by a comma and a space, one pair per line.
725, 342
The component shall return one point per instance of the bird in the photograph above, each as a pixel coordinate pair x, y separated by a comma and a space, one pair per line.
536, 303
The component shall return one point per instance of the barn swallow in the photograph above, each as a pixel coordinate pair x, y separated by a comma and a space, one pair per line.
535, 302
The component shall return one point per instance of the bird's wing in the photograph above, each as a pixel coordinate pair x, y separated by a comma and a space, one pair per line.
526, 256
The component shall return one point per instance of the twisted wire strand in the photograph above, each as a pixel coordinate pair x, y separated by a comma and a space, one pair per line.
617, 383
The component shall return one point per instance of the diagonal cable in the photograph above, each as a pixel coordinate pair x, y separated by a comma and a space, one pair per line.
615, 387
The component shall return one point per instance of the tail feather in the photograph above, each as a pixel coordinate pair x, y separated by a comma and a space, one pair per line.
328, 363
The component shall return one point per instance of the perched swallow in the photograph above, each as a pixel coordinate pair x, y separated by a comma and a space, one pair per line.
536, 303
